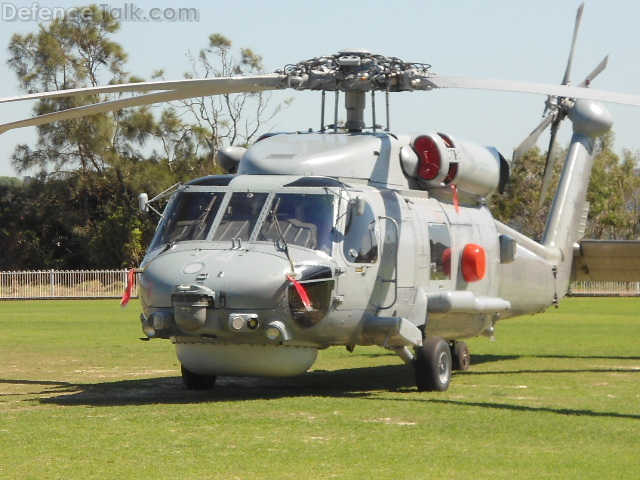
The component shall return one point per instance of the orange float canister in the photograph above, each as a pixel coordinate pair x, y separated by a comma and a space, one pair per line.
474, 262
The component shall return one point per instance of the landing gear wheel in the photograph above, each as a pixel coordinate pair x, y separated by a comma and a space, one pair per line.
433, 365
460, 356
195, 381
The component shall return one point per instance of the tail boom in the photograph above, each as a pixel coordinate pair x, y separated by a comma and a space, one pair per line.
565, 223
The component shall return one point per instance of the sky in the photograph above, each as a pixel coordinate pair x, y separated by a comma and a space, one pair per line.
511, 40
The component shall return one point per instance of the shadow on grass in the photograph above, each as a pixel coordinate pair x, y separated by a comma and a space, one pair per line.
481, 359
524, 408
488, 358
348, 383
585, 357
351, 383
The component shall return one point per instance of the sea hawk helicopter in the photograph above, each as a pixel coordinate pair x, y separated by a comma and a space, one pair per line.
352, 234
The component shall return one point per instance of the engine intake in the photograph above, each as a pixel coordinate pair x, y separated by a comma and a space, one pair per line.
436, 160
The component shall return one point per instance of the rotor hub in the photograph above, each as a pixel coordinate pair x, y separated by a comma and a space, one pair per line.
590, 118
358, 70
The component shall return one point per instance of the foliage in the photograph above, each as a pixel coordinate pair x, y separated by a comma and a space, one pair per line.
613, 194
226, 119
518, 206
54, 223
10, 181
71, 52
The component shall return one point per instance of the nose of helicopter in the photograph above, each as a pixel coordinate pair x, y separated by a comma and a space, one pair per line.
240, 279
228, 311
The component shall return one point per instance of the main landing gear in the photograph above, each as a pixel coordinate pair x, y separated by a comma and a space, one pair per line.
435, 360
460, 355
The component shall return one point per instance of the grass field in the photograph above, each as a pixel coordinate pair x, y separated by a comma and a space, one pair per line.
557, 396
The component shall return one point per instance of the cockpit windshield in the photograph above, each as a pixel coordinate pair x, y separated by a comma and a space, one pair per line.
302, 219
188, 217
240, 216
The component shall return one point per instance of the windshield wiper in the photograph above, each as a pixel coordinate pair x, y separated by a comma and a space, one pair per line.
285, 246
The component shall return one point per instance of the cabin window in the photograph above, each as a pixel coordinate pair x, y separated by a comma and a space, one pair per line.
360, 240
440, 246
188, 217
305, 220
240, 216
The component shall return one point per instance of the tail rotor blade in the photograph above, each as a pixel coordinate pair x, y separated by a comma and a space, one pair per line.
596, 71
531, 140
567, 73
550, 163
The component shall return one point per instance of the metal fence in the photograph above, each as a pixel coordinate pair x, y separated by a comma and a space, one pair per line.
112, 283
604, 289
64, 284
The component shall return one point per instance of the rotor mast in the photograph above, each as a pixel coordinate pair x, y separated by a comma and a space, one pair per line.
355, 103
356, 72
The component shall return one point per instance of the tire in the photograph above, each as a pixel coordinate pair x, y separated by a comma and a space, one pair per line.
460, 356
195, 381
433, 365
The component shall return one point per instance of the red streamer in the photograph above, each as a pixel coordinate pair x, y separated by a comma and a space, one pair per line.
126, 296
456, 202
301, 291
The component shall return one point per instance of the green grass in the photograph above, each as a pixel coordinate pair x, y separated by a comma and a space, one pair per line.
556, 396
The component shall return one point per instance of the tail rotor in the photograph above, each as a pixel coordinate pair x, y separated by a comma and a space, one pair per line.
556, 110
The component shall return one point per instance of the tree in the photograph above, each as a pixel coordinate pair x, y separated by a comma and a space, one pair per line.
613, 194
518, 206
71, 52
235, 119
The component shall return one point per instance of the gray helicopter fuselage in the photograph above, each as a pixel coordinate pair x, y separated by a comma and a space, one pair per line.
336, 215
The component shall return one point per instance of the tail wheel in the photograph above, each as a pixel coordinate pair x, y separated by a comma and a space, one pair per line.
460, 356
433, 365
195, 381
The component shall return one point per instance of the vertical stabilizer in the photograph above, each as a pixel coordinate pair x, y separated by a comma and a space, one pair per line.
565, 224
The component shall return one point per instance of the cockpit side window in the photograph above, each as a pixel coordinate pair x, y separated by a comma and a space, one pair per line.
189, 217
440, 246
300, 219
360, 241
240, 216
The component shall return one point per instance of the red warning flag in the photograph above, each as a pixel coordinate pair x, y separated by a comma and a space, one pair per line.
301, 291
126, 296
456, 202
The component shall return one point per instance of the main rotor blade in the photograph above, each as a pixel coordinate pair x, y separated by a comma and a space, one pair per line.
442, 81
223, 85
531, 140
596, 71
567, 72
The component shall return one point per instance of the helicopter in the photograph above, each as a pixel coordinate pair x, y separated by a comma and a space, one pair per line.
355, 235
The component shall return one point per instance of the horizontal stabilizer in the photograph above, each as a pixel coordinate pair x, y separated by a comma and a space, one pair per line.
606, 261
